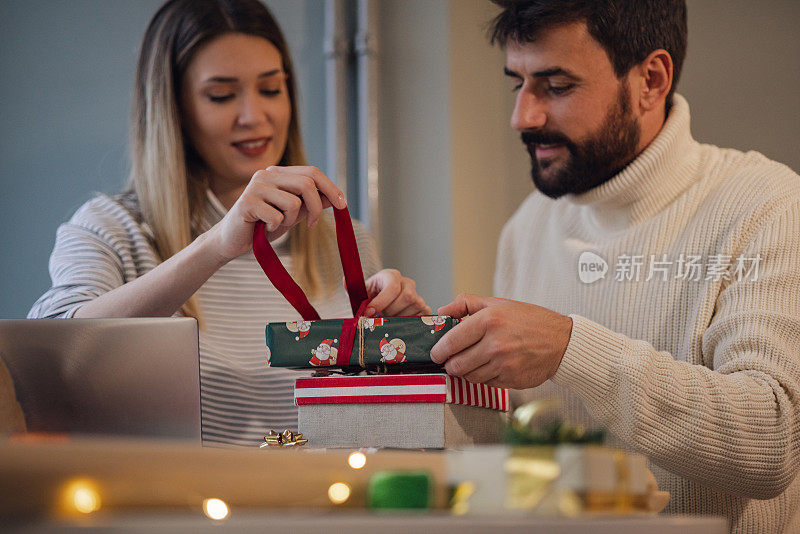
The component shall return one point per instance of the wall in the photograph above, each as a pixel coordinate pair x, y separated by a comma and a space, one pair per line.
742, 75
415, 143
452, 170
66, 72
491, 169
67, 69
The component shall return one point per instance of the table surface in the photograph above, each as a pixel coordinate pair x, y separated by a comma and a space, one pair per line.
147, 486
362, 523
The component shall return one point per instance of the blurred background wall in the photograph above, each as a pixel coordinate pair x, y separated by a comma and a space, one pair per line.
66, 73
742, 75
452, 171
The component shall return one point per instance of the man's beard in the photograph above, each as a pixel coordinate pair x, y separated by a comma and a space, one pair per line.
592, 161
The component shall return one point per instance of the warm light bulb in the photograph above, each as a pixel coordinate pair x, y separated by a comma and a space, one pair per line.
86, 500
80, 495
339, 492
357, 460
215, 509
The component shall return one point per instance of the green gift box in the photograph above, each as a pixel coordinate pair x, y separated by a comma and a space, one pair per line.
363, 342
358, 342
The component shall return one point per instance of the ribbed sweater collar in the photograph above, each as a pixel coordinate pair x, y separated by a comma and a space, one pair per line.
664, 169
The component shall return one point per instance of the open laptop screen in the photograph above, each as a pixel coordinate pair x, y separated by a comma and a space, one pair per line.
128, 377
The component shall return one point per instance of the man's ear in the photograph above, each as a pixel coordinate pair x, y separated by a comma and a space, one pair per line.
655, 80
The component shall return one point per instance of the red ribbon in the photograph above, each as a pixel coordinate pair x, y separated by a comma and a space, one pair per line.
353, 276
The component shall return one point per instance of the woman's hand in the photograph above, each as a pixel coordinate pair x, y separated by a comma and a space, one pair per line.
279, 196
393, 295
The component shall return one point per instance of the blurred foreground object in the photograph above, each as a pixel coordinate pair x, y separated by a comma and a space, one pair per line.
552, 467
564, 480
11, 417
540, 423
64, 480
88, 477
389, 490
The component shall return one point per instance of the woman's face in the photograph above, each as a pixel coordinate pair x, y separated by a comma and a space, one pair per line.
236, 108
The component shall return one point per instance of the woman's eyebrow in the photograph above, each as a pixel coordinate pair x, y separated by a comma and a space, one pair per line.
272, 72
233, 79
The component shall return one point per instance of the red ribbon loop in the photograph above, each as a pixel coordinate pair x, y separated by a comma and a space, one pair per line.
282, 280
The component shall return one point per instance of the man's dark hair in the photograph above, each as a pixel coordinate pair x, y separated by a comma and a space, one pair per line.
628, 30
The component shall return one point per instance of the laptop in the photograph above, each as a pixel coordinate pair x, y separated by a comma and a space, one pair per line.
113, 377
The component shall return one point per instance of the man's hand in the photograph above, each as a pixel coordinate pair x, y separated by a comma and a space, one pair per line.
502, 343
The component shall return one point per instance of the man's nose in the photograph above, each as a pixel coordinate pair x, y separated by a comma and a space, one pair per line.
529, 112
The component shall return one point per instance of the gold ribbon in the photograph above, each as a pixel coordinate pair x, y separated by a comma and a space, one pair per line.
287, 438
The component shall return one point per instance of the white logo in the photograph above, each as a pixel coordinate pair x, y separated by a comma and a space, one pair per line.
591, 267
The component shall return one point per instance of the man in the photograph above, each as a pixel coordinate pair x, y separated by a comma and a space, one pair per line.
656, 281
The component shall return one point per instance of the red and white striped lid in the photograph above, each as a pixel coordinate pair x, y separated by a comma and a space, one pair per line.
434, 387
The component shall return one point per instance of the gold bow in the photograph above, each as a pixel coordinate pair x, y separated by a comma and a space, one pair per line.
287, 438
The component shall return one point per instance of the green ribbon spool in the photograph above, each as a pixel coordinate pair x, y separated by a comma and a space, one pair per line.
388, 490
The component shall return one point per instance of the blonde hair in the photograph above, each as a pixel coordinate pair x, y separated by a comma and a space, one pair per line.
166, 171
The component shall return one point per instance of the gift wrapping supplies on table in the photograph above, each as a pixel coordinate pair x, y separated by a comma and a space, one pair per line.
91, 478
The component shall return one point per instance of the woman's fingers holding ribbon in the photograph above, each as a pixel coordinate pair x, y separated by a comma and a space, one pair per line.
232, 236
394, 295
414, 304
287, 205
279, 196
309, 183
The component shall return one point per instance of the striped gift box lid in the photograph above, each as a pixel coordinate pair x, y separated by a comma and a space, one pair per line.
433, 388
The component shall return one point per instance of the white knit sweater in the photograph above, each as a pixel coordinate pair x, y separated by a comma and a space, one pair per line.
699, 369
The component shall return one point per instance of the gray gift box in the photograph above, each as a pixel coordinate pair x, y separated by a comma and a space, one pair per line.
409, 411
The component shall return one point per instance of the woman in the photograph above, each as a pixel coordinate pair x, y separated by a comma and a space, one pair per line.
215, 147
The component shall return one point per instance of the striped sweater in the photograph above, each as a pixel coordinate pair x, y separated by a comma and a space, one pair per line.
681, 354
105, 244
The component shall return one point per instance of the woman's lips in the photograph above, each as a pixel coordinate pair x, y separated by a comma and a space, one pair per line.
252, 147
547, 151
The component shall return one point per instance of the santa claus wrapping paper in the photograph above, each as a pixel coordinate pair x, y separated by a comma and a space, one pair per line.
392, 341
324, 354
358, 342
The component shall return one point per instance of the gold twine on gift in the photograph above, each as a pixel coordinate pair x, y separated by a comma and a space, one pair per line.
287, 438
362, 358
362, 321
360, 346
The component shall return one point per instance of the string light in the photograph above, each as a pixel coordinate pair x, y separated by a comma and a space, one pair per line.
357, 460
339, 492
215, 509
80, 495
